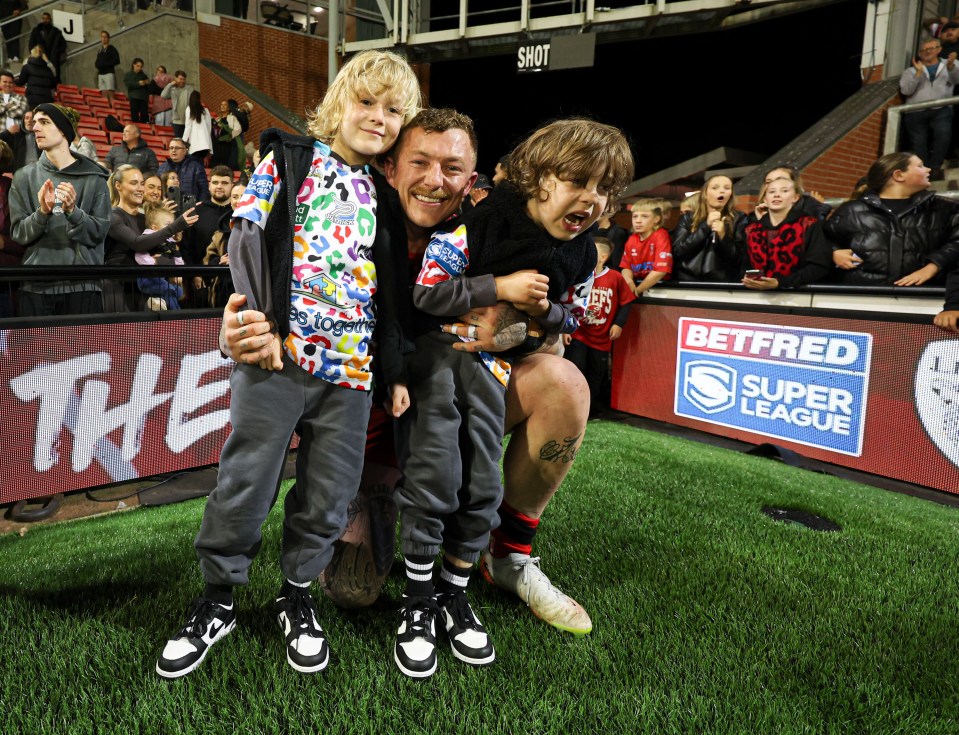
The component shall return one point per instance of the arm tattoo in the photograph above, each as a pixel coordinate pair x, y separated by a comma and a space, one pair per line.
509, 335
564, 451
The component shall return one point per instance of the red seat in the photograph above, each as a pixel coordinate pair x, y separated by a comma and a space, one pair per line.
69, 88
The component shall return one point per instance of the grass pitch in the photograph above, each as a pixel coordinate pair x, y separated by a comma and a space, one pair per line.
709, 618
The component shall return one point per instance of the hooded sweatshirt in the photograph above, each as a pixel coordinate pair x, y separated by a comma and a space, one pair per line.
59, 239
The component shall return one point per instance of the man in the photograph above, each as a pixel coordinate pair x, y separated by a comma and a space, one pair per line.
191, 172
134, 151
210, 213
12, 105
547, 402
929, 132
480, 190
49, 36
500, 173
23, 142
60, 211
178, 92
108, 58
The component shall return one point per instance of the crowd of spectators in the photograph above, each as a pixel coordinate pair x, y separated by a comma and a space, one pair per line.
184, 174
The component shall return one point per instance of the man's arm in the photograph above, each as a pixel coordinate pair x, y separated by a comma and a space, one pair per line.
89, 221
27, 222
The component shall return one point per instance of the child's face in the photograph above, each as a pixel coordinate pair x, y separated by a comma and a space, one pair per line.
602, 255
645, 222
160, 220
780, 196
572, 206
369, 127
718, 192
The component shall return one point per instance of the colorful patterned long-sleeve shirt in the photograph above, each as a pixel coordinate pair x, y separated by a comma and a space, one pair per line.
331, 311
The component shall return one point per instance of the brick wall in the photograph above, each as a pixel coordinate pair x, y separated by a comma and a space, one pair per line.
836, 171
270, 59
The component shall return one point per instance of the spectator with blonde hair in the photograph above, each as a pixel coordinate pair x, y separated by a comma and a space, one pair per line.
705, 242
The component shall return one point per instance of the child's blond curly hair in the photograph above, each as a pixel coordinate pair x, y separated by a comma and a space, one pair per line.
369, 72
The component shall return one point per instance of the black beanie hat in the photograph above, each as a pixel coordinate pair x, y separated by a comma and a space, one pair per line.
65, 118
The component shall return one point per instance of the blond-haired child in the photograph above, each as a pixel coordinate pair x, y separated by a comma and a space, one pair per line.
648, 257
301, 250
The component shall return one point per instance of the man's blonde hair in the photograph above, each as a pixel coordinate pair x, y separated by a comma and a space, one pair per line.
572, 149
369, 72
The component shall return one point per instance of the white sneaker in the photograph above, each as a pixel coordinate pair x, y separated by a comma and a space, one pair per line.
521, 575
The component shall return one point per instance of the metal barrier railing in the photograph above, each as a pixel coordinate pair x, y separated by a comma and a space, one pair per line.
894, 119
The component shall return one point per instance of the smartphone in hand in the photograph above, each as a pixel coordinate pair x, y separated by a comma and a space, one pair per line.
753, 274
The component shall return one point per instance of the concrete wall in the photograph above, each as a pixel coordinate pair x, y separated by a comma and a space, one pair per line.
168, 40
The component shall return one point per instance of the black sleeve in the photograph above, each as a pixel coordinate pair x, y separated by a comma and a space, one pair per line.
816, 261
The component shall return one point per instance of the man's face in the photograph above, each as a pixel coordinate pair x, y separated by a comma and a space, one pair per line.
224, 108
46, 19
47, 135
929, 52
432, 172
220, 189
105, 38
6, 84
499, 173
180, 80
131, 135
949, 35
177, 151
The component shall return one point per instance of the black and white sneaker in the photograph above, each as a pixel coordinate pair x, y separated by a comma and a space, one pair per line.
306, 648
415, 648
468, 637
207, 622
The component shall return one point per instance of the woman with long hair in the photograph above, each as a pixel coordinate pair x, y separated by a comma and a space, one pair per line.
197, 133
896, 231
785, 247
705, 246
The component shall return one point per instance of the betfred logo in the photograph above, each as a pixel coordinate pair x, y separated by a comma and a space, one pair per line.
807, 386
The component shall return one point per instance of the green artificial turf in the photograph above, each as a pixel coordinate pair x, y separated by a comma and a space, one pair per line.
709, 618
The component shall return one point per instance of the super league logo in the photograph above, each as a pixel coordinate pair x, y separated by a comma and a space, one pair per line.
937, 395
710, 386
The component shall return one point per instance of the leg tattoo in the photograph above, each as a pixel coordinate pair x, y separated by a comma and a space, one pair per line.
564, 451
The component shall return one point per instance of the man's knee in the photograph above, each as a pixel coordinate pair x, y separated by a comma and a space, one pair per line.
546, 384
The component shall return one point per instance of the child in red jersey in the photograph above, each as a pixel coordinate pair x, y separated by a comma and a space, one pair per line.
588, 348
648, 258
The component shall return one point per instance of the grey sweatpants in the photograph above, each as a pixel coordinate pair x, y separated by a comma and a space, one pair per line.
265, 408
449, 445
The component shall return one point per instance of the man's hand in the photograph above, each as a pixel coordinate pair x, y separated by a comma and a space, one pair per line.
919, 277
948, 320
68, 196
522, 287
246, 335
846, 259
919, 67
46, 197
951, 61
494, 328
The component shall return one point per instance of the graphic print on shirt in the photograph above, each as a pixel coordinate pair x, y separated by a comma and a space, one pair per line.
332, 314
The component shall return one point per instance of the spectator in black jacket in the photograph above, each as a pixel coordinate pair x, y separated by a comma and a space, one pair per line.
706, 241
134, 151
786, 245
38, 77
107, 61
54, 45
896, 232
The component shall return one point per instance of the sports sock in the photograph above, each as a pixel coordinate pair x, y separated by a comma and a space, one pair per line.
514, 535
453, 578
289, 586
221, 594
419, 575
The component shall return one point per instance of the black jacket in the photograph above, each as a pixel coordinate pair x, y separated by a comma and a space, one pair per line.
814, 256
39, 81
52, 40
107, 59
688, 243
892, 247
